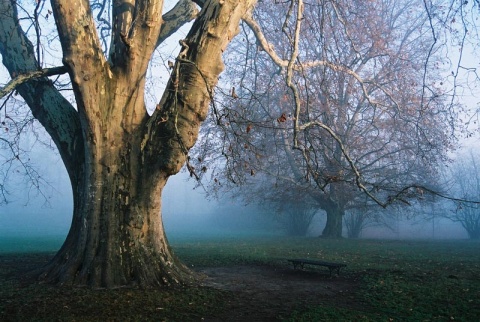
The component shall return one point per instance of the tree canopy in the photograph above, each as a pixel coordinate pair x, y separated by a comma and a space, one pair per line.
345, 102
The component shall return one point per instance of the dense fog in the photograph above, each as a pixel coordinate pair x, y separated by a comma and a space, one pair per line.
187, 213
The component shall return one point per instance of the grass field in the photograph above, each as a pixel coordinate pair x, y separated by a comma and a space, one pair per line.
394, 281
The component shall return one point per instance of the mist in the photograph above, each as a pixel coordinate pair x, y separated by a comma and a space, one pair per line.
34, 220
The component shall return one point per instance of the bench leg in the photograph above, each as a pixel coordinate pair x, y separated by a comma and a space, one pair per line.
330, 269
295, 265
337, 269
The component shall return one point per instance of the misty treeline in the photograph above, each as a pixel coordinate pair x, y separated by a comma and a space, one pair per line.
344, 107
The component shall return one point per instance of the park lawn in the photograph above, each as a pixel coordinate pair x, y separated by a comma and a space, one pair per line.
416, 280
396, 280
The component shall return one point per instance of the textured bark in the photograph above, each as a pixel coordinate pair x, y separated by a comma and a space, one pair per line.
117, 238
119, 158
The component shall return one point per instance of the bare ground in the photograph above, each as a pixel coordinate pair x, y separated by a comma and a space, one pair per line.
268, 293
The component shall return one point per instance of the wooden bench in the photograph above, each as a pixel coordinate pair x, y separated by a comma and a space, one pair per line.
331, 266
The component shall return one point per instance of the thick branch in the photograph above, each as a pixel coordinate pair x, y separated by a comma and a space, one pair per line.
136, 27
23, 78
183, 12
82, 51
185, 102
290, 69
358, 176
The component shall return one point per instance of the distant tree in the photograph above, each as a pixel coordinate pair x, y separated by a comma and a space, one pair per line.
296, 218
346, 115
17, 171
293, 211
469, 216
465, 179
356, 220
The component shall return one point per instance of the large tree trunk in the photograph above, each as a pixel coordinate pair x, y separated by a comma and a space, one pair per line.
117, 237
333, 226
118, 157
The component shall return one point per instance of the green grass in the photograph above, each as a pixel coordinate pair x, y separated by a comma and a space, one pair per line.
34, 244
396, 281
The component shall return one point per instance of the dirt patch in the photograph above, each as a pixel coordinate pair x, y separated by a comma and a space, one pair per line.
267, 293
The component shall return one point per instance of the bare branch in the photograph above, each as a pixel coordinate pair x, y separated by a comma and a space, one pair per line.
299, 66
290, 69
23, 78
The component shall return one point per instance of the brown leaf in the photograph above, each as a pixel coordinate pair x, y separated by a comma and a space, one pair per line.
282, 118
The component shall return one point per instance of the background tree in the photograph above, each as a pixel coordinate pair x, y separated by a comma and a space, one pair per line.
296, 218
345, 114
356, 220
118, 156
292, 208
464, 177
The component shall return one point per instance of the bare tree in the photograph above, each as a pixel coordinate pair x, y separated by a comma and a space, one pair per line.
118, 156
289, 206
15, 164
296, 218
344, 114
357, 219
465, 179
